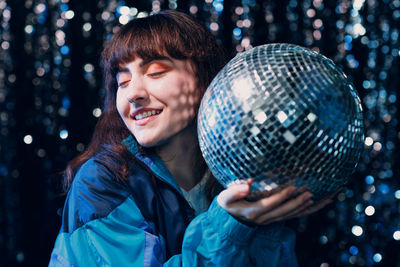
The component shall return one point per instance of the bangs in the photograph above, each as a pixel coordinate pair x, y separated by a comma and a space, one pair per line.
167, 34
149, 38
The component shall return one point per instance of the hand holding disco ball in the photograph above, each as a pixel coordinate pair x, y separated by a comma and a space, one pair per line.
281, 114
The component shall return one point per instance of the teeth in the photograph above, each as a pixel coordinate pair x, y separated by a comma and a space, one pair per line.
146, 114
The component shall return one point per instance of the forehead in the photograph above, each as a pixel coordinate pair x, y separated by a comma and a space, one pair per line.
139, 63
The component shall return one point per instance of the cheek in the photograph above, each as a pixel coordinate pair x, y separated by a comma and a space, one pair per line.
120, 103
188, 100
193, 96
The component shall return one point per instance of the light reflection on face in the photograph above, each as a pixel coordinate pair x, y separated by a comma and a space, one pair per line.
157, 99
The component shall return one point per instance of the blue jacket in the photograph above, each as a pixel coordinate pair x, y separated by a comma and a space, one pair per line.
145, 221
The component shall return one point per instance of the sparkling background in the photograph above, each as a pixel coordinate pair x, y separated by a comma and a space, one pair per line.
49, 102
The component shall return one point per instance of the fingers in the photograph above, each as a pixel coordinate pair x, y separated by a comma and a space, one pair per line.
286, 209
232, 194
268, 203
276, 207
319, 205
313, 208
307, 210
232, 200
299, 212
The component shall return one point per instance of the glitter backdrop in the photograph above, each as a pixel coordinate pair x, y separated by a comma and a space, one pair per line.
50, 92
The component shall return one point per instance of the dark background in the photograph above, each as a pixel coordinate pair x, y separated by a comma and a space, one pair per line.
50, 88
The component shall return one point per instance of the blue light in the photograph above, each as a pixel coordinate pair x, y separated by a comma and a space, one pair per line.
377, 257
66, 102
323, 239
382, 75
344, 257
349, 57
396, 14
120, 4
369, 179
354, 13
349, 193
64, 50
57, 60
64, 7
348, 38
392, 98
237, 32
339, 24
218, 6
245, 2
118, 12
353, 250
373, 84
293, 3
366, 84
359, 207
353, 63
3, 170
385, 49
64, 134
384, 189
373, 44
389, 173
348, 46
42, 19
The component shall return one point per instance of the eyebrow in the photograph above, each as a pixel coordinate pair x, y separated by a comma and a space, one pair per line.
122, 70
149, 60
144, 63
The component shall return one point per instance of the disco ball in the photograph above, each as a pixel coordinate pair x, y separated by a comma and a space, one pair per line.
281, 114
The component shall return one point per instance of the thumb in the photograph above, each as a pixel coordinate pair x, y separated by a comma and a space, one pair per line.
232, 194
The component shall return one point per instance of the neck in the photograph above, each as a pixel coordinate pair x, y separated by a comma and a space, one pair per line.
182, 156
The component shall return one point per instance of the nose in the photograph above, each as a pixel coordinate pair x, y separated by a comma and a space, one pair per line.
137, 92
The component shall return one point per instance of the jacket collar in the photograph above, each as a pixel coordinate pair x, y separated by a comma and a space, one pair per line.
152, 160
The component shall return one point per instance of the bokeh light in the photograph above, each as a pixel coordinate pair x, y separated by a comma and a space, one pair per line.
51, 86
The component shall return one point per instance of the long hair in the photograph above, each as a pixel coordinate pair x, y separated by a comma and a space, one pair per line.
168, 33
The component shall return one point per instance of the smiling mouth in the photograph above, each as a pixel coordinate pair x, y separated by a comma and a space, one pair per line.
147, 114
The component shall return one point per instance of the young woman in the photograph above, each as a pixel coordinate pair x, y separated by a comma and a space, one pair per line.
135, 193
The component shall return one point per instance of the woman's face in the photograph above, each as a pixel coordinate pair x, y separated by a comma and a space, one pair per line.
157, 99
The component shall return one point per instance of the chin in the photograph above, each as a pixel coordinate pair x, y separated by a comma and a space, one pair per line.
148, 142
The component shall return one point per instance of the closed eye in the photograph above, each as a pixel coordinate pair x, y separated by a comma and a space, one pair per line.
123, 78
156, 74
124, 84
157, 69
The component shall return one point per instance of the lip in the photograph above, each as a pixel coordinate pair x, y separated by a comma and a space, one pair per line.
146, 120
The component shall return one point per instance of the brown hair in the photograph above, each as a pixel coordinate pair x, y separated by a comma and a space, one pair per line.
168, 33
